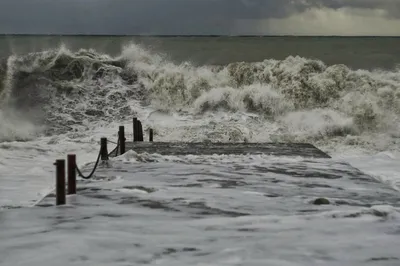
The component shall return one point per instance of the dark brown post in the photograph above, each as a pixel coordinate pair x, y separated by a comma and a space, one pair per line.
60, 182
121, 135
103, 149
151, 135
135, 129
71, 174
140, 129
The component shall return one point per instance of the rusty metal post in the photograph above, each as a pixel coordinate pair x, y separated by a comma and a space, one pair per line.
71, 159
103, 149
140, 129
121, 136
60, 182
135, 129
151, 135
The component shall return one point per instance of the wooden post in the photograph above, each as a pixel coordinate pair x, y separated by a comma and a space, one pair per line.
135, 129
151, 135
140, 129
103, 149
60, 182
121, 135
71, 174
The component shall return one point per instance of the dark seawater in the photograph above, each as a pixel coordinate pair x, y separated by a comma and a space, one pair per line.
354, 52
60, 95
303, 89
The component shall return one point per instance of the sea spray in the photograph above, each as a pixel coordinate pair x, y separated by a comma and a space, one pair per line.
297, 99
7, 79
15, 127
13, 124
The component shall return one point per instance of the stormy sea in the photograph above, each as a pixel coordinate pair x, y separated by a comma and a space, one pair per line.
60, 94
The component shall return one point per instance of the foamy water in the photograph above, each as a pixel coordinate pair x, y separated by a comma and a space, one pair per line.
222, 210
214, 210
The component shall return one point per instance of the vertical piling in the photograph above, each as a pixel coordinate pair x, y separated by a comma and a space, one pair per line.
121, 135
140, 129
71, 161
135, 129
60, 182
151, 135
103, 149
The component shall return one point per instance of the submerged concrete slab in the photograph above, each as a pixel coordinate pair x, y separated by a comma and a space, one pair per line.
208, 148
293, 182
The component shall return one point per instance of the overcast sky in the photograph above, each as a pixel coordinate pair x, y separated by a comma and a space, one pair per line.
228, 17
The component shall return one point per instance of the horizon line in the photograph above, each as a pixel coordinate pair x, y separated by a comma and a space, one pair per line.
194, 35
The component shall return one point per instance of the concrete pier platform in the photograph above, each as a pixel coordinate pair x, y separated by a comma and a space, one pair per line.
208, 148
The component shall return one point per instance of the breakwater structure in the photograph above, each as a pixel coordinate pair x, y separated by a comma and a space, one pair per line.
66, 172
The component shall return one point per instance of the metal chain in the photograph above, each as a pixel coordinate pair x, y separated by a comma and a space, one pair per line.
97, 162
94, 169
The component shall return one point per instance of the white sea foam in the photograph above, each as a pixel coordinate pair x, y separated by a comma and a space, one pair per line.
84, 95
296, 99
289, 94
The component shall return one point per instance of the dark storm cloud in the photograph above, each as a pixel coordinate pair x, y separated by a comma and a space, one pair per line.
282, 8
121, 16
157, 16
391, 6
134, 16
106, 16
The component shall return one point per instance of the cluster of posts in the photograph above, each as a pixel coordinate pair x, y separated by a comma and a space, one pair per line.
104, 156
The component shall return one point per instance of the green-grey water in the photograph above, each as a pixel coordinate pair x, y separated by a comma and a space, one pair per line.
354, 52
314, 88
147, 208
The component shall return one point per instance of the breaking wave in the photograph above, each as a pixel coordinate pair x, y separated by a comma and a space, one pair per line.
303, 99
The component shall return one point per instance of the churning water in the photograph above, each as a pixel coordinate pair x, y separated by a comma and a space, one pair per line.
340, 94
